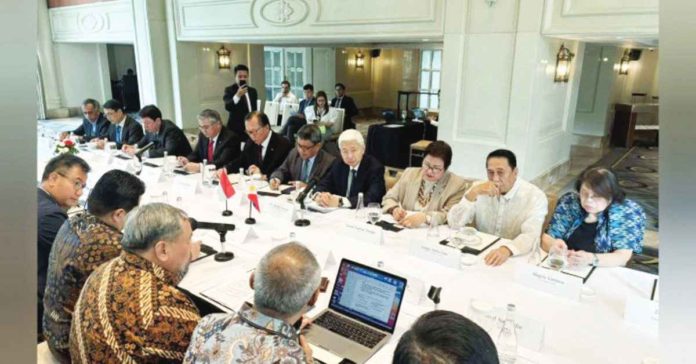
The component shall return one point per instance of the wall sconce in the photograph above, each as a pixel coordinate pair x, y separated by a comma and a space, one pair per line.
625, 61
359, 60
223, 58
563, 59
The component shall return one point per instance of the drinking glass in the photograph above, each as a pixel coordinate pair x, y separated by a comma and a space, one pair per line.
558, 257
374, 212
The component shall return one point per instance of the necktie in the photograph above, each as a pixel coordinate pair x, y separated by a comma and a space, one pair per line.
338, 102
260, 155
210, 150
351, 176
118, 134
305, 170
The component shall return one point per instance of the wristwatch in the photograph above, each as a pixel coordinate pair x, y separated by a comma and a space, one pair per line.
340, 201
595, 260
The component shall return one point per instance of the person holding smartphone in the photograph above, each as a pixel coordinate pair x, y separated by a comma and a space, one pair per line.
240, 99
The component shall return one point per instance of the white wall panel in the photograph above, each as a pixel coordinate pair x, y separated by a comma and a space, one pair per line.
608, 18
102, 22
279, 21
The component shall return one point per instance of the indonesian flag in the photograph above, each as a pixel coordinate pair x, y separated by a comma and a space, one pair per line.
253, 196
226, 185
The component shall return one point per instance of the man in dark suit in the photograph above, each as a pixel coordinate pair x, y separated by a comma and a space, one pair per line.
304, 162
94, 124
264, 152
217, 144
165, 135
345, 102
62, 182
122, 129
240, 99
296, 121
356, 172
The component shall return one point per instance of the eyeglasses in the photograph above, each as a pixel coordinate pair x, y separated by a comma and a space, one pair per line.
77, 184
430, 167
204, 127
253, 132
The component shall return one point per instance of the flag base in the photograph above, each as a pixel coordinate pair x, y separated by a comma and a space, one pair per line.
224, 256
250, 221
227, 213
302, 222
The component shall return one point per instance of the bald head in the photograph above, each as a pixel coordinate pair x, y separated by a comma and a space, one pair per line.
285, 279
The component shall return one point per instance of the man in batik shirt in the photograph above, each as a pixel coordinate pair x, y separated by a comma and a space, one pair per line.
83, 243
130, 310
286, 284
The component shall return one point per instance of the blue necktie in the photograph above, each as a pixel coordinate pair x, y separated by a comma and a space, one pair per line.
118, 134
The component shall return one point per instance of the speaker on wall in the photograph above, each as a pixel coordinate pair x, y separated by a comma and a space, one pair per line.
375, 53
634, 54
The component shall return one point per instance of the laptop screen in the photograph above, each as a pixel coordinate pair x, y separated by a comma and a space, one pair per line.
368, 295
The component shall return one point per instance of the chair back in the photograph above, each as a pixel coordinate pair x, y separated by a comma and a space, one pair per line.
553, 201
338, 125
287, 111
271, 110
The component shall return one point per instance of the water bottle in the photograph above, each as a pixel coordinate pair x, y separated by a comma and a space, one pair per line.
360, 208
204, 173
165, 165
507, 338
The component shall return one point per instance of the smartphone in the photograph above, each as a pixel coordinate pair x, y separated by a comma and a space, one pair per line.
242, 83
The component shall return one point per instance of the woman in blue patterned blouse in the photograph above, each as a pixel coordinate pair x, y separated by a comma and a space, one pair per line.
597, 224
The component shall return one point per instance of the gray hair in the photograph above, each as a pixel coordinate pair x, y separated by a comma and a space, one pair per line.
148, 224
351, 135
210, 114
310, 132
92, 102
286, 278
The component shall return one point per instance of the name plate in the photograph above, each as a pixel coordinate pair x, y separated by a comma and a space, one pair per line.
150, 175
121, 164
549, 281
440, 254
282, 209
642, 312
364, 232
183, 186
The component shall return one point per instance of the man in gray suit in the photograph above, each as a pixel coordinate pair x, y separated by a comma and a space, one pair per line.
304, 162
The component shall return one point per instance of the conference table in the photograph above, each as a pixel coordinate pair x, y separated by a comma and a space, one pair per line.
591, 330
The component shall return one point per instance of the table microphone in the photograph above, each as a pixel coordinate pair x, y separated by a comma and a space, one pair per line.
217, 226
142, 150
310, 186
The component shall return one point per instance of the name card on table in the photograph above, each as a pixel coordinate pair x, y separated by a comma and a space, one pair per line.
364, 232
642, 312
282, 209
150, 175
530, 332
440, 254
549, 281
121, 164
183, 186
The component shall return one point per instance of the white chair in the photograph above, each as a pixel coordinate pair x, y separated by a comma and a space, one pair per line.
44, 355
288, 110
271, 110
258, 104
338, 125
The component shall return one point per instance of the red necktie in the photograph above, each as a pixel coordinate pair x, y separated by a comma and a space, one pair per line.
210, 150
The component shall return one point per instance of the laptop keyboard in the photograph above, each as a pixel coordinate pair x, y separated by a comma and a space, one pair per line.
354, 331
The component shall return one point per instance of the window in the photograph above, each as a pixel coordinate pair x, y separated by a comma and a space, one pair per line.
431, 65
289, 64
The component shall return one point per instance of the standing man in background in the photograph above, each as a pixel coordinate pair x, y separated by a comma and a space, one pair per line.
240, 99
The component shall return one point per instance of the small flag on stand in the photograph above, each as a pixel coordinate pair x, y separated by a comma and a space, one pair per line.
226, 185
253, 197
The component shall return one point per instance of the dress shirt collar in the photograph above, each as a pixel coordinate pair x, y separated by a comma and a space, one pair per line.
269, 324
122, 122
513, 191
264, 144
356, 168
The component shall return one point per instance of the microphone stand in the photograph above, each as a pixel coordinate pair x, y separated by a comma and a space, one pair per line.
223, 255
302, 221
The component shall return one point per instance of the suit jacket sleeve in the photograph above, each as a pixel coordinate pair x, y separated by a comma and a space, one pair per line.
175, 143
283, 172
396, 194
243, 160
228, 98
194, 156
80, 129
135, 133
143, 141
328, 184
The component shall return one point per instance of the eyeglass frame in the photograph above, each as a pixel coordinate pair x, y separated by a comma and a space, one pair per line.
428, 166
77, 185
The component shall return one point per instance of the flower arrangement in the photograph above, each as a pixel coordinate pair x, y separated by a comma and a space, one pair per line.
66, 146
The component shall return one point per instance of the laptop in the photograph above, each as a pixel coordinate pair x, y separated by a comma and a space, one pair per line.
362, 313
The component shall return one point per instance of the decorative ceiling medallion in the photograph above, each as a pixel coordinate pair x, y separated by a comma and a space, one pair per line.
92, 22
284, 12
